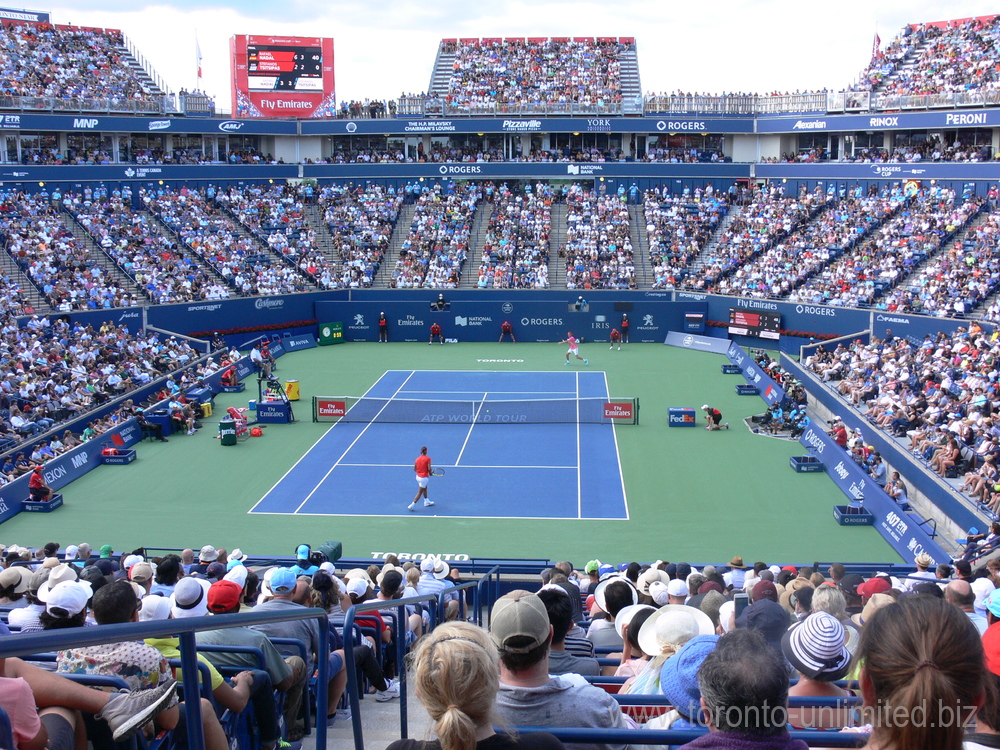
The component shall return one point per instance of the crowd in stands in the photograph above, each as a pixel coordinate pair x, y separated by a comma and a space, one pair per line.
213, 235
436, 244
372, 109
142, 248
66, 63
53, 371
678, 227
931, 151
808, 649
59, 265
784, 265
530, 73
768, 217
516, 249
959, 279
940, 394
956, 58
360, 221
598, 246
892, 252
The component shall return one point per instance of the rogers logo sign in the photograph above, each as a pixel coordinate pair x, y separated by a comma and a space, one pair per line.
814, 441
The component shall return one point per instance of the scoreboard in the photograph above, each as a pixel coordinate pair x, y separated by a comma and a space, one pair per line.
282, 76
278, 68
763, 325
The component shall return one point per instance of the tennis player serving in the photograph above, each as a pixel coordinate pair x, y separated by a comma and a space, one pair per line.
574, 347
422, 466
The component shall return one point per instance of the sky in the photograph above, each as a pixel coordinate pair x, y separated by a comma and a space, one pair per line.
385, 48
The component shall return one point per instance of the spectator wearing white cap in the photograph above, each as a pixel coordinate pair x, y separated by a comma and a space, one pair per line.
433, 575
206, 557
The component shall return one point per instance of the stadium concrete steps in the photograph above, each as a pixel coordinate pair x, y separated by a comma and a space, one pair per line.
441, 73
399, 233
701, 260
187, 251
640, 247
905, 64
266, 251
145, 76
629, 75
477, 239
324, 240
557, 260
97, 254
31, 292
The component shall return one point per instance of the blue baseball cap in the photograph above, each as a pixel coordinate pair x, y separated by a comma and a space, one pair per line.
302, 552
605, 569
993, 602
283, 581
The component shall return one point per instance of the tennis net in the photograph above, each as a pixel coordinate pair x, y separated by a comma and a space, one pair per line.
437, 411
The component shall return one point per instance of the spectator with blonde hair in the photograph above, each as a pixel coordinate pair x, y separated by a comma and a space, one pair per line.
456, 679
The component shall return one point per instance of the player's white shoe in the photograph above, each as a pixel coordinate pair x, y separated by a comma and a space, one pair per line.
428, 503
586, 361
410, 507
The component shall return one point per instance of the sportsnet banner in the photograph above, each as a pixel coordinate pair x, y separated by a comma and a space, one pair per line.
771, 392
700, 343
897, 527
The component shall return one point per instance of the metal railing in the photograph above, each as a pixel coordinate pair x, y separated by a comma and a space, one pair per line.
485, 592
153, 105
184, 629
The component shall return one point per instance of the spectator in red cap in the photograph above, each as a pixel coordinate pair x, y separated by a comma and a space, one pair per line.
765, 590
872, 586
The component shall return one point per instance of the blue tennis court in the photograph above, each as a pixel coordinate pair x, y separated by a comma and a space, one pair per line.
493, 470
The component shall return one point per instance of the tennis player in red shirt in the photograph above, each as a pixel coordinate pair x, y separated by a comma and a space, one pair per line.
422, 466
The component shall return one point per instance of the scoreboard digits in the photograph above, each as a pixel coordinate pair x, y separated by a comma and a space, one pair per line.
764, 325
272, 67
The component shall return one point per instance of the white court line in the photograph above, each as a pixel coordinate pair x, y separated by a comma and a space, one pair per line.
618, 455
471, 427
456, 466
579, 479
348, 449
313, 446
469, 393
448, 518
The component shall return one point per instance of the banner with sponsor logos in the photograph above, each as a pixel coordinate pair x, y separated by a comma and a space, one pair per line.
771, 392
893, 453
27, 16
480, 320
513, 170
99, 123
898, 528
828, 123
191, 175
696, 342
188, 318
940, 172
62, 470
400, 126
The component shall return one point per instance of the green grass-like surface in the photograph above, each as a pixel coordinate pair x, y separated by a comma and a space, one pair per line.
692, 495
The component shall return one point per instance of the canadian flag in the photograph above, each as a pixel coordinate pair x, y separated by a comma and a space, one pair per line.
876, 52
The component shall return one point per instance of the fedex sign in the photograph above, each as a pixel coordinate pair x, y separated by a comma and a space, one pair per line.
683, 416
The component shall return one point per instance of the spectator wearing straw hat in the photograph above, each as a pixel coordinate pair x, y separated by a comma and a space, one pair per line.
737, 574
661, 636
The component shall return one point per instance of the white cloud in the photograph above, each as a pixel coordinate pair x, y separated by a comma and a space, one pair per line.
384, 49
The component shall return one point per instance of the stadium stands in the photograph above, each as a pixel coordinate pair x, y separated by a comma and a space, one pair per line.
526, 73
885, 258
678, 228
515, 253
765, 220
210, 232
598, 241
436, 246
786, 264
72, 68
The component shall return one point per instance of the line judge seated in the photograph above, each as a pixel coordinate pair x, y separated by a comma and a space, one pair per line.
440, 304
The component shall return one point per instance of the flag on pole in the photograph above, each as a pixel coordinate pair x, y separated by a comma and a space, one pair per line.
876, 53
197, 55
